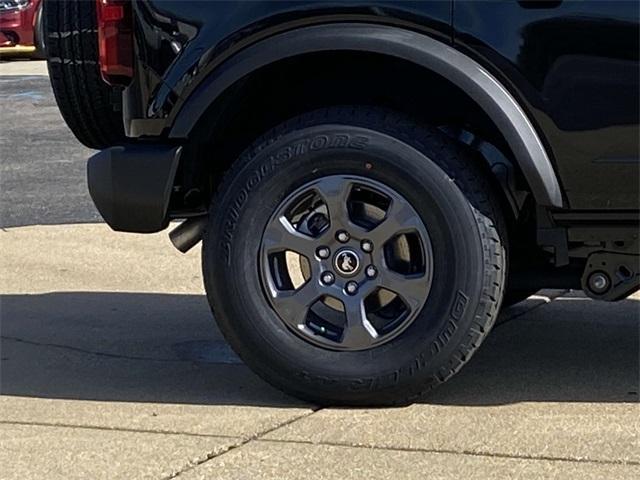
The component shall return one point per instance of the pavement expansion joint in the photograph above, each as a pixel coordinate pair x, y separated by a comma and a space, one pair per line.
550, 300
115, 429
453, 452
246, 441
96, 353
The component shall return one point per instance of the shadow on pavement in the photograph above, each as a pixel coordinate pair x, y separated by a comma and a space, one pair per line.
141, 347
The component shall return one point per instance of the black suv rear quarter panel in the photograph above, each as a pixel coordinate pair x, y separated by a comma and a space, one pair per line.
574, 65
178, 43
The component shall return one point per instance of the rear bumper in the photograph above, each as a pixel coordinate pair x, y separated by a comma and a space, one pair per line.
131, 185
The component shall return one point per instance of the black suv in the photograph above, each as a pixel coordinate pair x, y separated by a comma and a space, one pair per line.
371, 180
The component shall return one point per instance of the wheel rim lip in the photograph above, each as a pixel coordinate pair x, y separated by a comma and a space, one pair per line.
303, 332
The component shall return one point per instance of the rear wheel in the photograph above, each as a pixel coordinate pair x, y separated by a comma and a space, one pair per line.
352, 257
90, 107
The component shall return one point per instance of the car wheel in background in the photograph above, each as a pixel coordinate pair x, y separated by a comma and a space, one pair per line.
39, 35
91, 108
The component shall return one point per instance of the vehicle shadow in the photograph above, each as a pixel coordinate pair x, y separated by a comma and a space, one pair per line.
141, 347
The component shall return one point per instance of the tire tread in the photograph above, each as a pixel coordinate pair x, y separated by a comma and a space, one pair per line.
84, 99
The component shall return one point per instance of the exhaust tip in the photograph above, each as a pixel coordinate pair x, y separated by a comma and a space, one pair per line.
186, 235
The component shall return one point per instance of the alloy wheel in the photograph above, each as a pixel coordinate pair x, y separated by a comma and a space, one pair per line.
346, 262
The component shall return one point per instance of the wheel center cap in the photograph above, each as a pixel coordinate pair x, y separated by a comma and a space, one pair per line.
346, 262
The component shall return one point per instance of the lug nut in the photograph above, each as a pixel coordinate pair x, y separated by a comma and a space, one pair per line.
371, 271
343, 236
327, 278
351, 288
323, 252
367, 246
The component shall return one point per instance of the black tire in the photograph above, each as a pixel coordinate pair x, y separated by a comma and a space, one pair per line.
39, 36
450, 194
90, 107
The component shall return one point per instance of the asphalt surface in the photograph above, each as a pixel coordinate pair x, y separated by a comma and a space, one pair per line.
43, 166
111, 365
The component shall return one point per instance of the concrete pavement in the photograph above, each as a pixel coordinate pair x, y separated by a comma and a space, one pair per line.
112, 368
21, 67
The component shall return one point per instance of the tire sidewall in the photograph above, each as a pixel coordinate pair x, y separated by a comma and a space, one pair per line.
232, 245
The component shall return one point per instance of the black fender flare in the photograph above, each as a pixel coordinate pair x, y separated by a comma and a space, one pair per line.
418, 48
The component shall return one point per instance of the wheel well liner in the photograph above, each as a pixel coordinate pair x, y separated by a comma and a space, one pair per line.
420, 49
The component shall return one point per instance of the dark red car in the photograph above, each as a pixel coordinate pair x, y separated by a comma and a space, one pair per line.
21, 27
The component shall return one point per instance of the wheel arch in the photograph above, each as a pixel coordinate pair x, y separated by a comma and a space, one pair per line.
482, 87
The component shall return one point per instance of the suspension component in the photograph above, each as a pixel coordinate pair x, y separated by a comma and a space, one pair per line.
611, 276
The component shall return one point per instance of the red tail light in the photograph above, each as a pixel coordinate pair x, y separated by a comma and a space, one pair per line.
115, 41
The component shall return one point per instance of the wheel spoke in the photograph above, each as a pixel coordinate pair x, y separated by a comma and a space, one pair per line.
411, 288
335, 193
358, 332
280, 235
399, 218
293, 306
